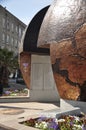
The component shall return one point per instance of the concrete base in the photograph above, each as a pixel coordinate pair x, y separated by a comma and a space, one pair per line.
43, 86
58, 112
66, 108
43, 96
33, 110
14, 99
65, 104
74, 111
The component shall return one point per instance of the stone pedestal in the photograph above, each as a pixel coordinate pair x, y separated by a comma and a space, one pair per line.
42, 83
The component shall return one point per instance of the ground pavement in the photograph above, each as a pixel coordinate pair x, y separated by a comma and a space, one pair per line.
13, 113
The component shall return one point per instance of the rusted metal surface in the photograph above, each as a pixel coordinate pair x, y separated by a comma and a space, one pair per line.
62, 20
25, 67
64, 31
69, 66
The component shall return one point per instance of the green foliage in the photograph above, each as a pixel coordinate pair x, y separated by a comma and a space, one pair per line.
8, 64
8, 59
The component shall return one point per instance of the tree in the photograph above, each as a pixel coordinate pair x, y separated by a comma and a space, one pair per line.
8, 63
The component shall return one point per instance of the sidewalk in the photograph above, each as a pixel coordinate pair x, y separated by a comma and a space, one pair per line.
13, 113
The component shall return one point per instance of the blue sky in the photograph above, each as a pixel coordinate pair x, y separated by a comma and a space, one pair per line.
24, 9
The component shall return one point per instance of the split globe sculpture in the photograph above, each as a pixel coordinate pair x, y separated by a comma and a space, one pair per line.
63, 31
28, 45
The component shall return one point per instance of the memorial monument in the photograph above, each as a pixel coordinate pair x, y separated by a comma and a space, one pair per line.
62, 30
35, 63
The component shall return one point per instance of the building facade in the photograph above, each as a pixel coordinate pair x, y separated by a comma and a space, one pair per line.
11, 30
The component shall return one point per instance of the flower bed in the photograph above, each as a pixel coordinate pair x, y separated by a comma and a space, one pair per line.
17, 92
65, 122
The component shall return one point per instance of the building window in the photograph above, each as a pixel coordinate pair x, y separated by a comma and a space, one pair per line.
9, 49
8, 39
12, 41
16, 43
8, 24
3, 38
23, 32
3, 22
17, 29
12, 27
2, 47
20, 32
